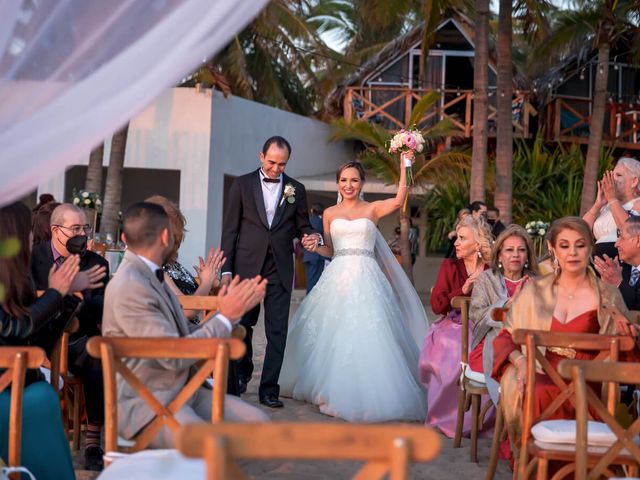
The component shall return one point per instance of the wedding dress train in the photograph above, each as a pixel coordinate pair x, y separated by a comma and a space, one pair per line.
353, 347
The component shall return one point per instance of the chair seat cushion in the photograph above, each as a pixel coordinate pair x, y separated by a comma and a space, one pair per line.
154, 465
474, 376
564, 432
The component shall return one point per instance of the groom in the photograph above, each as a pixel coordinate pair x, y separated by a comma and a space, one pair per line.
265, 211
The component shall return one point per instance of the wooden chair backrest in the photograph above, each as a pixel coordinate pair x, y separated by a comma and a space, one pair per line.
16, 361
204, 304
499, 314
462, 303
608, 348
581, 372
214, 352
386, 448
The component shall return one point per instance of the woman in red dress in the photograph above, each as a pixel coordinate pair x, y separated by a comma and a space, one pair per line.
572, 299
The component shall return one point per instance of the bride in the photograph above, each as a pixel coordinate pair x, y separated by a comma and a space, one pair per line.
353, 345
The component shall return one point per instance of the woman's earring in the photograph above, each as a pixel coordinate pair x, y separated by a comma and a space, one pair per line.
500, 265
339, 197
526, 264
479, 254
361, 195
556, 266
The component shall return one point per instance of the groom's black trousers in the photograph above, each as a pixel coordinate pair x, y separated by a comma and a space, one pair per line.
276, 319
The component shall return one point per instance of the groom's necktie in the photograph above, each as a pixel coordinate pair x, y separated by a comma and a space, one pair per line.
270, 180
635, 275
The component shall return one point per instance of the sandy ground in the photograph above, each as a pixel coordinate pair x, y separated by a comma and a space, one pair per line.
451, 463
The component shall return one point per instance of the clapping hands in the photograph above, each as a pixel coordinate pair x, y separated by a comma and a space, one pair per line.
61, 279
208, 271
609, 269
239, 297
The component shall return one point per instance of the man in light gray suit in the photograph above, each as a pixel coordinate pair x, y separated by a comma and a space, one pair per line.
139, 304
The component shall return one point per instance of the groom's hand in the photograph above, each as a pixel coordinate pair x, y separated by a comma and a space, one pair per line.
310, 242
241, 296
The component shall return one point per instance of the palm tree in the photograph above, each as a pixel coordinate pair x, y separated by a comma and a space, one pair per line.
480, 102
93, 182
273, 60
504, 138
375, 156
113, 187
600, 23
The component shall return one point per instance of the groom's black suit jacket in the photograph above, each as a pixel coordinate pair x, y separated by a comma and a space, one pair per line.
246, 236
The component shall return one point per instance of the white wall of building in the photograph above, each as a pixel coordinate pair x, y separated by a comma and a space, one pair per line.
239, 129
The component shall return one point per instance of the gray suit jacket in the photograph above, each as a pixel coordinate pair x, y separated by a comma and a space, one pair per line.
136, 304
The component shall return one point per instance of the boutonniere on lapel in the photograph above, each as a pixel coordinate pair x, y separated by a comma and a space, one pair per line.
289, 194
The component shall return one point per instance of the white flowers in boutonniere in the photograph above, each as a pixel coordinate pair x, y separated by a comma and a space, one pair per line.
289, 194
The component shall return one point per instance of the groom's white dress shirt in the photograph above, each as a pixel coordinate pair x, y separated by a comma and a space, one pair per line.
271, 193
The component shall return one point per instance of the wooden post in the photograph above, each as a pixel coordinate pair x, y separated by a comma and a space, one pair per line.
407, 108
556, 126
348, 105
467, 116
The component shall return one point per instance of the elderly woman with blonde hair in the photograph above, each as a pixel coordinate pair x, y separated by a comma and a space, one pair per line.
439, 363
618, 197
513, 263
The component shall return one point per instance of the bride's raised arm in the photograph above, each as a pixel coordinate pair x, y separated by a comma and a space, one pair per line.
382, 208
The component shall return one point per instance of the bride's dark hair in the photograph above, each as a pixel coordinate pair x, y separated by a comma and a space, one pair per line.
357, 165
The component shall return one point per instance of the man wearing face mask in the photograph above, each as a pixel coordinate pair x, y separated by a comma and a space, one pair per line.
69, 236
493, 219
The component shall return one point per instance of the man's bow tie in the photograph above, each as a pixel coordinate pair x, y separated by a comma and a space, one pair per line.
160, 275
270, 180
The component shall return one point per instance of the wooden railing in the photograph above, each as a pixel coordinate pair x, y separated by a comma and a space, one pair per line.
568, 120
391, 107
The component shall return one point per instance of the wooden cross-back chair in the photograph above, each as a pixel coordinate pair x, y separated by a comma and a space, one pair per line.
472, 385
386, 449
72, 390
621, 448
207, 305
16, 361
213, 352
500, 428
608, 348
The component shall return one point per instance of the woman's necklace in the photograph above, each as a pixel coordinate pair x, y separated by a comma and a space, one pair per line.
573, 293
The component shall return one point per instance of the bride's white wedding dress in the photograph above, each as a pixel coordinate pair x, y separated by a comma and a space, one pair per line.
351, 349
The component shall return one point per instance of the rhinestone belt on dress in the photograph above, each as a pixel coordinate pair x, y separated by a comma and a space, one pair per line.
357, 252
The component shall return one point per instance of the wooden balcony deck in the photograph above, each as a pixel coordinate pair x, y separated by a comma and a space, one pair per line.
391, 107
567, 120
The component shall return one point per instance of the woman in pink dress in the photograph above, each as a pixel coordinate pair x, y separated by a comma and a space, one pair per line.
439, 364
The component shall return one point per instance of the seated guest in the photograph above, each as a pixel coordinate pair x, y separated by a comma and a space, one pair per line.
27, 320
512, 263
439, 363
42, 223
618, 196
451, 236
139, 304
624, 276
493, 219
178, 278
571, 300
69, 236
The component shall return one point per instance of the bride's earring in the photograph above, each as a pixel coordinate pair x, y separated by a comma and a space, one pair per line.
361, 195
339, 197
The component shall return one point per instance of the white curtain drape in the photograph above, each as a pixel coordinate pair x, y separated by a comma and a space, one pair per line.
73, 71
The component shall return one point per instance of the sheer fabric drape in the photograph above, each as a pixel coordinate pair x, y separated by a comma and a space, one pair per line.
73, 71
